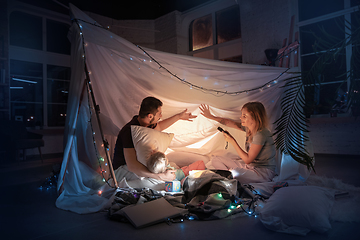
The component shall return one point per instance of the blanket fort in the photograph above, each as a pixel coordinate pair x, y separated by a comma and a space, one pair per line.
120, 75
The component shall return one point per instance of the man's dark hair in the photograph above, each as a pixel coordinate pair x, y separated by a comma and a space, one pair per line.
149, 105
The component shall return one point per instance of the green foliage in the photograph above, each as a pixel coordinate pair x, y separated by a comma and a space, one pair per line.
291, 131
291, 127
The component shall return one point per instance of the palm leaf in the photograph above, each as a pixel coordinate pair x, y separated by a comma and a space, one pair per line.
291, 126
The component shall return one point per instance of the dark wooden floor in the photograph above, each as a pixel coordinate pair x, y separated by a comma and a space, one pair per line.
30, 213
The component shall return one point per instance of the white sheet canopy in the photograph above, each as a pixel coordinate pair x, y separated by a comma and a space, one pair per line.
121, 75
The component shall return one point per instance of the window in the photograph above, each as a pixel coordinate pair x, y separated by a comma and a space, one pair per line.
329, 24
228, 25
26, 91
225, 28
201, 32
25, 30
38, 90
309, 9
57, 94
56, 37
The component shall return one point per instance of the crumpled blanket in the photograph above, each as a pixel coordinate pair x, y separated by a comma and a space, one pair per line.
207, 195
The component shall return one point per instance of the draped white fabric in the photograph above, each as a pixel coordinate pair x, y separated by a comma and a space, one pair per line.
121, 75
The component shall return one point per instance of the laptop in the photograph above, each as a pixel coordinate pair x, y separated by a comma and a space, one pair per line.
151, 212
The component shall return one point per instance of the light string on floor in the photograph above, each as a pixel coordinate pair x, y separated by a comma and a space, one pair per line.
96, 108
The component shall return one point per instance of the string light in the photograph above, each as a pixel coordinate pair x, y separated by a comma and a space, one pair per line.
275, 81
182, 80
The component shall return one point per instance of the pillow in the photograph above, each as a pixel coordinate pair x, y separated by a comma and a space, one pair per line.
147, 140
183, 159
298, 210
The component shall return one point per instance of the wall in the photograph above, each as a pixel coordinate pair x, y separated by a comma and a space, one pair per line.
166, 32
53, 139
339, 135
139, 32
270, 19
264, 25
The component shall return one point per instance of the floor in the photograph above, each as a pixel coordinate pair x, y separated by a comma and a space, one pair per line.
30, 213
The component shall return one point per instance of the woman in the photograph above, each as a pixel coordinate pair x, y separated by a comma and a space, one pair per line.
257, 163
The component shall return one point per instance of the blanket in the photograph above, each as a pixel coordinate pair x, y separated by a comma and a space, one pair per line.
207, 195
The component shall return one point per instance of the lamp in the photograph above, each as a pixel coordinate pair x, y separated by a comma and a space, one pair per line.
271, 55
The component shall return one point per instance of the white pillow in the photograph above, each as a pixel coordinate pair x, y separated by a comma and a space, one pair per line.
147, 140
298, 210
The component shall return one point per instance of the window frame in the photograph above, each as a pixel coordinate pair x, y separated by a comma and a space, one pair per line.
214, 49
346, 12
40, 56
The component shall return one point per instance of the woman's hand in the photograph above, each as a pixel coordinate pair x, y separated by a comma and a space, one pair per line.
168, 175
205, 111
229, 138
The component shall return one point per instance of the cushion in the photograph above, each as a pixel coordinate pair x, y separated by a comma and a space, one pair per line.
147, 140
183, 159
298, 210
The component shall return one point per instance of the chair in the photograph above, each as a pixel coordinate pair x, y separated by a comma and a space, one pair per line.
15, 138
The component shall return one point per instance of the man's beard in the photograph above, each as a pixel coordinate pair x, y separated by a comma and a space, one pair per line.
153, 120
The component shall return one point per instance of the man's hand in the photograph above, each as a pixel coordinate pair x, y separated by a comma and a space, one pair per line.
184, 115
168, 175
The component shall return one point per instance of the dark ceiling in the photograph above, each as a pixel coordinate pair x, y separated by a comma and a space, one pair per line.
121, 9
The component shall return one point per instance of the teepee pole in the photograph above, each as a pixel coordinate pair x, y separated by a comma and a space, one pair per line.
97, 112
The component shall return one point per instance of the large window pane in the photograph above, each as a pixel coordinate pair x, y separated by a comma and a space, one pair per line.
56, 37
326, 98
26, 89
228, 24
30, 113
57, 84
57, 94
333, 71
201, 32
56, 115
25, 30
326, 33
26, 82
355, 3
310, 9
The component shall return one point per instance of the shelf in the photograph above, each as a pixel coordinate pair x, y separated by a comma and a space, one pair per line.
4, 110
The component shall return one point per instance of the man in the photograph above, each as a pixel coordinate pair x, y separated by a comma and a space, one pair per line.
149, 115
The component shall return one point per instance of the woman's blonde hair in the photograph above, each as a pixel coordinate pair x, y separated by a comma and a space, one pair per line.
258, 113
157, 162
